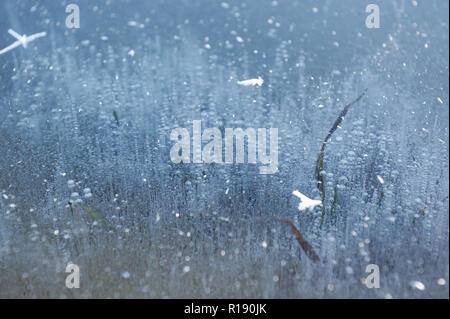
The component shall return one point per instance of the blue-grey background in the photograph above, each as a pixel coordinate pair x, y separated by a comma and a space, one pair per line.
201, 230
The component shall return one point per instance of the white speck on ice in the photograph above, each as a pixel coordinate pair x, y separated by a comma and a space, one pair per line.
441, 281
306, 202
417, 284
22, 40
391, 219
259, 81
349, 270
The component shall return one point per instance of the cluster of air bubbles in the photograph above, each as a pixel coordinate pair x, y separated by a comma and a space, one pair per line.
87, 192
6, 199
75, 198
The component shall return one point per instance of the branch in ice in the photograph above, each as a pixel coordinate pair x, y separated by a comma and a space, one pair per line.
306, 246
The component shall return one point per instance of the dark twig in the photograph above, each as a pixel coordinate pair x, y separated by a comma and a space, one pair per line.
306, 246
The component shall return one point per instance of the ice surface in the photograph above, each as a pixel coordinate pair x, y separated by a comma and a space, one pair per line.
89, 112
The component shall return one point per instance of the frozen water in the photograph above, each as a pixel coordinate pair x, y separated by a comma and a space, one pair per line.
89, 112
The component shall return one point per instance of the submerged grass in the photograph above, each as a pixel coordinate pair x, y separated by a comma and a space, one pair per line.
319, 162
97, 217
116, 117
94, 215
